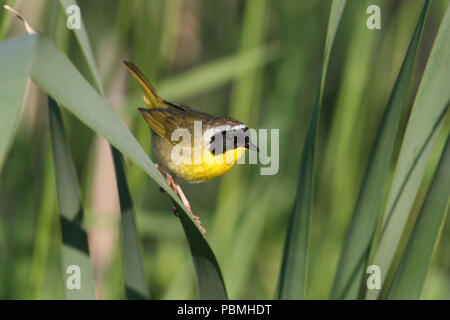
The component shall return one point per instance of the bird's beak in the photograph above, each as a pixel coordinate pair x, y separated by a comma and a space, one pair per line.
251, 146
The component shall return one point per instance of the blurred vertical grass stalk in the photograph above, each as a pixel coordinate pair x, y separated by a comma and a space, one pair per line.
46, 215
232, 213
169, 35
293, 274
344, 137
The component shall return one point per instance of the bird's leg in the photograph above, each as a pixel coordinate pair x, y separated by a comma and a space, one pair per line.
188, 206
177, 189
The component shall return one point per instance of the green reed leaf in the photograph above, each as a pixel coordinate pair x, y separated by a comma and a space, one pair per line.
76, 262
359, 236
292, 281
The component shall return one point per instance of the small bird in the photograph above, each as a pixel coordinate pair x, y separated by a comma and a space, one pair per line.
223, 140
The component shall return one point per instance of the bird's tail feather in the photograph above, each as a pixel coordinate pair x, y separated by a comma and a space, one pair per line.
151, 97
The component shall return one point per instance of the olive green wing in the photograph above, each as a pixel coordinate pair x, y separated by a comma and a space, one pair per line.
163, 121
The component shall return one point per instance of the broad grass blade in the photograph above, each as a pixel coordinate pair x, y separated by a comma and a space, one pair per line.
209, 276
135, 284
292, 281
370, 199
410, 275
425, 121
77, 270
15, 63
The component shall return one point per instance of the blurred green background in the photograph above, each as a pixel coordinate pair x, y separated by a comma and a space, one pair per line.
255, 60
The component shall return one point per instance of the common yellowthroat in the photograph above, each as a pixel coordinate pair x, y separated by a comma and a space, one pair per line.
223, 140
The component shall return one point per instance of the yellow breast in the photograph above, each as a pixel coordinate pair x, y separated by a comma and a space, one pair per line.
208, 167
202, 167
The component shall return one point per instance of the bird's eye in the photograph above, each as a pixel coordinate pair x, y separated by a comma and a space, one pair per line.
213, 138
